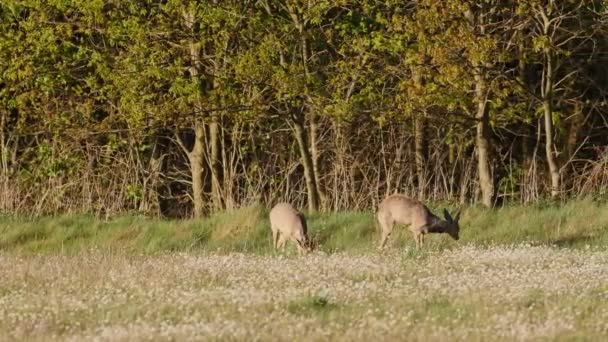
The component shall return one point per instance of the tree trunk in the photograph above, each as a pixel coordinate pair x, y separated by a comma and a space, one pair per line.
549, 141
486, 182
4, 176
548, 116
150, 175
215, 165
196, 167
311, 184
319, 195
522, 78
3, 147
315, 161
547, 86
196, 156
420, 148
420, 152
482, 141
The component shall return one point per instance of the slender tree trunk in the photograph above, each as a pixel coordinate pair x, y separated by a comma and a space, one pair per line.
547, 86
451, 147
549, 137
549, 141
420, 153
216, 168
341, 194
4, 176
151, 199
196, 157
419, 140
3, 147
314, 149
319, 195
311, 185
522, 78
482, 141
486, 182
310, 162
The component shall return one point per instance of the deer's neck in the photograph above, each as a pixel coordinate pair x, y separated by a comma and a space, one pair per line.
437, 226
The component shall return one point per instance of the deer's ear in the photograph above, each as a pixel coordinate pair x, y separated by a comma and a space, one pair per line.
447, 215
457, 216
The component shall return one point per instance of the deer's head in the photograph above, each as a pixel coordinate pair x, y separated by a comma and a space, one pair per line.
451, 226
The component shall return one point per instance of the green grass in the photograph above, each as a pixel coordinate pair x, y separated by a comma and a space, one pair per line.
577, 224
445, 311
312, 304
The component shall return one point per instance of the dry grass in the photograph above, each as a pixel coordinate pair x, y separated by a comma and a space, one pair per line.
467, 293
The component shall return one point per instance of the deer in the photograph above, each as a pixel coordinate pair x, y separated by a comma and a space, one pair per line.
287, 223
400, 209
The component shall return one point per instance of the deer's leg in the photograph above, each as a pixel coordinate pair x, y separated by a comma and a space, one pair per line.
300, 248
418, 239
384, 239
419, 235
275, 237
281, 242
296, 241
386, 226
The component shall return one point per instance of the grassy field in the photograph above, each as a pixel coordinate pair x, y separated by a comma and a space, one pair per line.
534, 273
578, 224
467, 293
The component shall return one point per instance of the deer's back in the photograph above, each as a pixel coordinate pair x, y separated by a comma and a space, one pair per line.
286, 218
404, 210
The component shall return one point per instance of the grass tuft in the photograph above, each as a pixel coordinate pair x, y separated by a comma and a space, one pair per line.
313, 304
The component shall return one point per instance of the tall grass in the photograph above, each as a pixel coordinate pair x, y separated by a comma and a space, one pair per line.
579, 223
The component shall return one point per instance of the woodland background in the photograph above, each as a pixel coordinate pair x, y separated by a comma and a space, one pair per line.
182, 108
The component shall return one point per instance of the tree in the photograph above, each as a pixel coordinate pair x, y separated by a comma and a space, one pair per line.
558, 32
298, 82
462, 42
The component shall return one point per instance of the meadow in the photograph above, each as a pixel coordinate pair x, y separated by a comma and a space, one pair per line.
517, 273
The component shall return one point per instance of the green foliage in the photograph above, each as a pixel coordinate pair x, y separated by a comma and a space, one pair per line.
110, 76
45, 164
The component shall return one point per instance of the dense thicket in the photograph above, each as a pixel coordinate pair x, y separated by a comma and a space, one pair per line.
183, 107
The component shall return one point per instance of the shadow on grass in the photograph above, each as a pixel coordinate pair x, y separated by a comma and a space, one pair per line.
573, 241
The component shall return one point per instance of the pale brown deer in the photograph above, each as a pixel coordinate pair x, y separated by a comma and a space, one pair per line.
399, 209
287, 223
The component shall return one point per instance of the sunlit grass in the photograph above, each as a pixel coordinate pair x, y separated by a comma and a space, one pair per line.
517, 273
577, 224
465, 293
